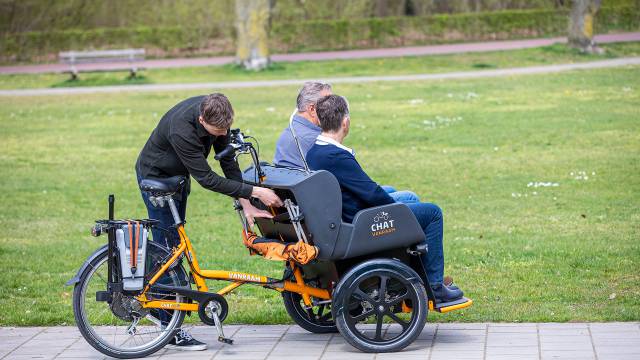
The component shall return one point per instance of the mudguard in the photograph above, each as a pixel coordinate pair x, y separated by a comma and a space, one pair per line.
74, 280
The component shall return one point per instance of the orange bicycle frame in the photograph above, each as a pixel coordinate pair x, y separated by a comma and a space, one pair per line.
237, 279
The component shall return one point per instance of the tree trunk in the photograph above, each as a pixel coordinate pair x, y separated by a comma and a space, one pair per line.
252, 26
581, 25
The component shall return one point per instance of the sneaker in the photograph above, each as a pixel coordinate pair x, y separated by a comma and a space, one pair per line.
182, 340
444, 294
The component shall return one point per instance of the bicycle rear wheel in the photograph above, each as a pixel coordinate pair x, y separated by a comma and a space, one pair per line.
122, 328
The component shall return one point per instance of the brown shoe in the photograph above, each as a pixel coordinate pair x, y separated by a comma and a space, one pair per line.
448, 282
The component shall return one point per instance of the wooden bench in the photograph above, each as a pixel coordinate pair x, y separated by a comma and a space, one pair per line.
103, 60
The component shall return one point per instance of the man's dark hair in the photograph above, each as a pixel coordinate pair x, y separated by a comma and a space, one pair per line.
216, 110
331, 109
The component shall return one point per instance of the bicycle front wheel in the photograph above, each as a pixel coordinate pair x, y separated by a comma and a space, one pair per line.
121, 328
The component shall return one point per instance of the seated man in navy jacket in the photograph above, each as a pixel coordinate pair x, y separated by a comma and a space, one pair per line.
307, 128
360, 192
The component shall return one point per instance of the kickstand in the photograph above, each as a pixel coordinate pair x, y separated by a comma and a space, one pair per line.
221, 337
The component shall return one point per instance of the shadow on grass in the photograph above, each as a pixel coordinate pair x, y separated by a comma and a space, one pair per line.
102, 80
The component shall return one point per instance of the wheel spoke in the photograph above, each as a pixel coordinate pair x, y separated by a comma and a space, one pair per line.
364, 296
395, 318
398, 299
320, 311
383, 287
362, 316
380, 317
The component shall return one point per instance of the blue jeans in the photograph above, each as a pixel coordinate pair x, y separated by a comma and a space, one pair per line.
402, 196
166, 235
429, 217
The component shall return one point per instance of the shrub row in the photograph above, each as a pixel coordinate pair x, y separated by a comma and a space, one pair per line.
319, 35
394, 31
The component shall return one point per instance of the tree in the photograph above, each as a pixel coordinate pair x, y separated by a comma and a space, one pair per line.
581, 25
253, 18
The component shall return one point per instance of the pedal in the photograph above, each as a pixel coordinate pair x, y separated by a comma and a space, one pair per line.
225, 340
221, 337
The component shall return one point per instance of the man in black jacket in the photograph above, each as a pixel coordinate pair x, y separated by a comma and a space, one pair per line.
180, 145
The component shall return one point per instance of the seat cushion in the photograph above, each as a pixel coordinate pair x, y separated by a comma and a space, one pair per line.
165, 185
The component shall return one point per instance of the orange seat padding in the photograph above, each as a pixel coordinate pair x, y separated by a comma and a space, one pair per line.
299, 252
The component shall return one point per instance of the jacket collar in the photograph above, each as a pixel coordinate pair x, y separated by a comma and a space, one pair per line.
324, 140
301, 120
200, 130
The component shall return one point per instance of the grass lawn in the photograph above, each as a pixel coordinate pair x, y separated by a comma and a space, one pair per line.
535, 175
555, 54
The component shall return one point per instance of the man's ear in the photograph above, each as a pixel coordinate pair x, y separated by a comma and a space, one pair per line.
200, 119
346, 122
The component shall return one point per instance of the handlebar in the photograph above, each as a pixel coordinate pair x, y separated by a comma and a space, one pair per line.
238, 145
227, 150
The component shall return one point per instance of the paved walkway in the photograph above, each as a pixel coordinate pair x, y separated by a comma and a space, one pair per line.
328, 55
355, 79
600, 341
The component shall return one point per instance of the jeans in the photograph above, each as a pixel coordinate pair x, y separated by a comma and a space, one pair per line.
402, 196
429, 217
165, 234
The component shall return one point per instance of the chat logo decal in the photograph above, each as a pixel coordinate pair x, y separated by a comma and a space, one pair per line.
382, 224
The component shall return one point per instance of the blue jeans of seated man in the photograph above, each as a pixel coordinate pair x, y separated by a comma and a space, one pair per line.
168, 237
402, 196
430, 219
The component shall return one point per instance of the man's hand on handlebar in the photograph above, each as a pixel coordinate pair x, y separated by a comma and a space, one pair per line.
267, 196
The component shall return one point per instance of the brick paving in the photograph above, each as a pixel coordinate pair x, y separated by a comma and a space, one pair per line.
327, 55
447, 341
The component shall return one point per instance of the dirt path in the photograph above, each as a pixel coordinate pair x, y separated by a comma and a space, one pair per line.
355, 79
327, 55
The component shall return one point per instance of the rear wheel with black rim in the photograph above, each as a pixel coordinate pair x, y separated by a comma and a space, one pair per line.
317, 319
380, 306
120, 327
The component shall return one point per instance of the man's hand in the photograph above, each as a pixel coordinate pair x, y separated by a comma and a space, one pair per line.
251, 212
267, 196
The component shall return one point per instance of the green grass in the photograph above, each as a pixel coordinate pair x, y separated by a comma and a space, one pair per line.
558, 253
337, 68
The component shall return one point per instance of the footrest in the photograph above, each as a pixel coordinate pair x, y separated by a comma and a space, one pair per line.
451, 305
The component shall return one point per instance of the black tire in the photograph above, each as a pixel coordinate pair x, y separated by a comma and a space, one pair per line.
178, 277
378, 288
317, 320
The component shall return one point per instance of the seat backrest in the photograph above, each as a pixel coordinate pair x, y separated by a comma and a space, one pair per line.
318, 196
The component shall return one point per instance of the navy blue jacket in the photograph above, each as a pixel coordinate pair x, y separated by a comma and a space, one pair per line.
358, 190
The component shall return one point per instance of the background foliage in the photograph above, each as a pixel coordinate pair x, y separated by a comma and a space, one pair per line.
35, 30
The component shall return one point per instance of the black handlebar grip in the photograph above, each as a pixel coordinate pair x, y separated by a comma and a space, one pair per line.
227, 150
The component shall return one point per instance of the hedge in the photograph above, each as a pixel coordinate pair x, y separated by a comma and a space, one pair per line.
396, 31
318, 35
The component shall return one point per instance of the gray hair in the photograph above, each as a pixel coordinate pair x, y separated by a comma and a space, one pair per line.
331, 110
310, 94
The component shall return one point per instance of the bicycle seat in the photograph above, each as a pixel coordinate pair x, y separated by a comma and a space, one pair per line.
167, 185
